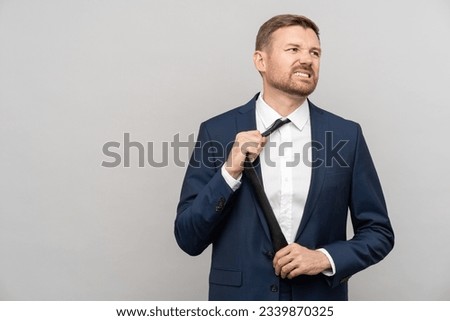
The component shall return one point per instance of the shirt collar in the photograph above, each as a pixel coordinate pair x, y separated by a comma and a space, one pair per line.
299, 117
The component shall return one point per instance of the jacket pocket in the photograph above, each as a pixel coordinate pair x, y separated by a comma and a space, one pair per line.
225, 277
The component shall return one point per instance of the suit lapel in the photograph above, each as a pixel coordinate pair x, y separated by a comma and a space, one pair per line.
246, 120
318, 128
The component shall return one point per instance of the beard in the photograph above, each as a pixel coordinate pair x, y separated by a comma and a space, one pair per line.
292, 86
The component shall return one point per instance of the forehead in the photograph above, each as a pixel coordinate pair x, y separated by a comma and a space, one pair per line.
295, 35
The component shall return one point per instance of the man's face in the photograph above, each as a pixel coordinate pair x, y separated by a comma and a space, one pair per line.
290, 63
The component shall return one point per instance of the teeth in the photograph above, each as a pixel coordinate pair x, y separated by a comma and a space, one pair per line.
301, 74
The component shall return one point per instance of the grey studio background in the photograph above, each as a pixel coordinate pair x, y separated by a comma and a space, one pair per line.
75, 75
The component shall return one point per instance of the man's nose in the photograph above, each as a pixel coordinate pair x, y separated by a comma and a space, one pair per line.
305, 58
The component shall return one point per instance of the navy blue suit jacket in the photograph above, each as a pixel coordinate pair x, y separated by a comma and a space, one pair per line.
343, 179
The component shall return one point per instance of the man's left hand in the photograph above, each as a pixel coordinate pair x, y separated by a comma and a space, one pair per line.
294, 260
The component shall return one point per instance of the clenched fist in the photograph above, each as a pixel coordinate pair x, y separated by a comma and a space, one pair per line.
249, 143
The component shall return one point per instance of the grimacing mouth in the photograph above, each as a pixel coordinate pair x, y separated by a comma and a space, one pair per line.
303, 74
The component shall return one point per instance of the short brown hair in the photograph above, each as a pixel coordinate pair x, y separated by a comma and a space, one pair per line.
281, 21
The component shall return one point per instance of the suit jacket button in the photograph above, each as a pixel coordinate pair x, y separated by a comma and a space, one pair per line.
270, 254
220, 204
274, 288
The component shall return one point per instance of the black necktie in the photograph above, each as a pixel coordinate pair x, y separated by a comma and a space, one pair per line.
277, 236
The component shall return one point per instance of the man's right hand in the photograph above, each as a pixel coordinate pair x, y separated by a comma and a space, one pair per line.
249, 143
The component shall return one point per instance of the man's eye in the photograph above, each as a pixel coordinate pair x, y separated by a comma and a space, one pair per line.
293, 49
315, 53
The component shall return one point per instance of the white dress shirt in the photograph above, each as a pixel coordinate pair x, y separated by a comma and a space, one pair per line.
283, 164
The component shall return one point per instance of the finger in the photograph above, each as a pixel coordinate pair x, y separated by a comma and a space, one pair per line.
282, 252
263, 141
294, 273
253, 148
249, 135
286, 270
251, 157
253, 151
254, 136
285, 265
282, 258
249, 147
277, 266
253, 132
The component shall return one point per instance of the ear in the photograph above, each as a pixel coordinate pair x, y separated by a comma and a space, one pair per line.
259, 60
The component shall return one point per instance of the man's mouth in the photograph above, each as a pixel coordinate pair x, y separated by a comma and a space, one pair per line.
302, 74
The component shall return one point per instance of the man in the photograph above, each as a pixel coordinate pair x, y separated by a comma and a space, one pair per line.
314, 169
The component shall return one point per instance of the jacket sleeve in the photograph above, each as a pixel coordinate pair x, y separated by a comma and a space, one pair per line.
205, 196
373, 234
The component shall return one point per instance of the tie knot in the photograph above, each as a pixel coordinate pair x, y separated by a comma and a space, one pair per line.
277, 124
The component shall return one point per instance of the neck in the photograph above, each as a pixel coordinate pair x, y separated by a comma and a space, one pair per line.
284, 104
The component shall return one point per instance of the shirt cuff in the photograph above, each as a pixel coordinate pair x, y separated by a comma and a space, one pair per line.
231, 181
332, 271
